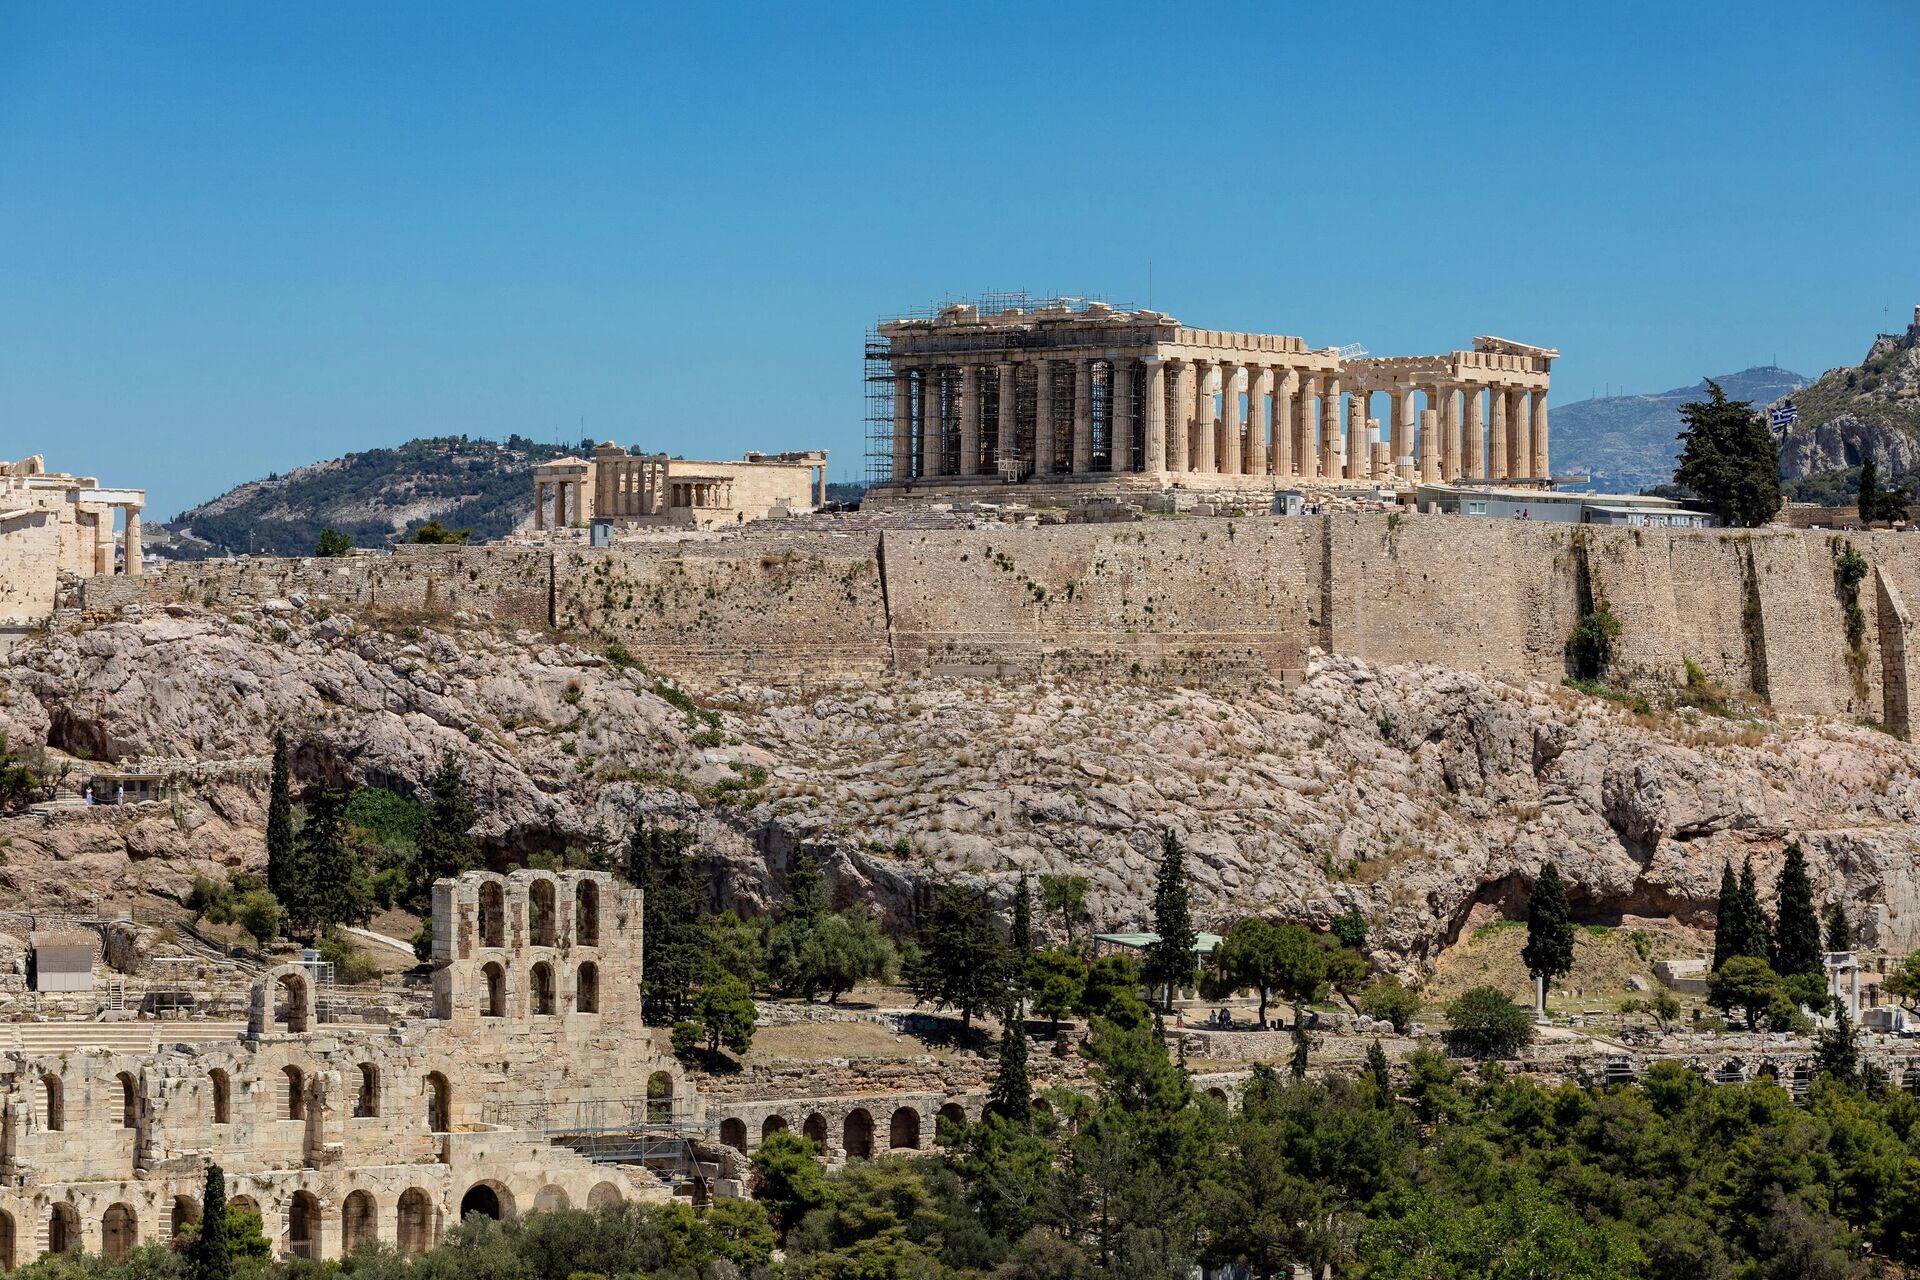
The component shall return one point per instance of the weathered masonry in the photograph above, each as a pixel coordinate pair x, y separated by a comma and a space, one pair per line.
649, 490
53, 524
1064, 393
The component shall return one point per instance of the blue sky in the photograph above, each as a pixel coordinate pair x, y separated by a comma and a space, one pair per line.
239, 237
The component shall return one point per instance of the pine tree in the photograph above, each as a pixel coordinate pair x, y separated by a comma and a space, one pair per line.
1012, 1092
1796, 934
1727, 921
673, 900
209, 1258
1839, 927
279, 818
1549, 950
1170, 958
445, 845
959, 960
1382, 1078
1729, 459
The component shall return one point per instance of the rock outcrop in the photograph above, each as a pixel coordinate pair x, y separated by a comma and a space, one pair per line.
1410, 793
1871, 410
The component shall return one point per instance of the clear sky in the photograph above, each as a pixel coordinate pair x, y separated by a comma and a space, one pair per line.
239, 237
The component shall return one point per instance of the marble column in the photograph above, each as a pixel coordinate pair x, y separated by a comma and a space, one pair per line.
1540, 467
1043, 419
1332, 441
1260, 420
1205, 460
130, 555
560, 504
1440, 399
1284, 385
1397, 428
1233, 422
1309, 453
1082, 417
1009, 414
970, 420
1359, 451
902, 425
930, 423
1121, 416
1520, 443
1179, 457
1476, 468
1497, 435
1429, 445
539, 505
1152, 417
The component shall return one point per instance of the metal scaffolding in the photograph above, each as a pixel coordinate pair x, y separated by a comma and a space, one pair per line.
638, 1131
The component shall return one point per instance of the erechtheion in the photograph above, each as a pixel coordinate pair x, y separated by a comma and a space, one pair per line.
52, 523
653, 490
1065, 393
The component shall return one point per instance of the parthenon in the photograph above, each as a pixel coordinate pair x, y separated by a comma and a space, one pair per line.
1061, 393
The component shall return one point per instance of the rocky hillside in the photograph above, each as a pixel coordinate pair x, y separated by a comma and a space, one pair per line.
1411, 793
373, 497
1871, 410
1629, 443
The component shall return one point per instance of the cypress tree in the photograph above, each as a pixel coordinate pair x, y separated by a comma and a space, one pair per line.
1170, 959
1839, 927
1796, 935
209, 1258
673, 901
1020, 942
1301, 1045
1377, 1067
1549, 949
1869, 493
1727, 922
959, 959
445, 845
279, 818
328, 891
1755, 934
1012, 1092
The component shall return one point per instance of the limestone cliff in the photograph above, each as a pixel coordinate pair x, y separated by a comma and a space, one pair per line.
1870, 410
1409, 792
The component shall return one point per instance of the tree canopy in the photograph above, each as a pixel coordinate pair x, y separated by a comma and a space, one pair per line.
1729, 459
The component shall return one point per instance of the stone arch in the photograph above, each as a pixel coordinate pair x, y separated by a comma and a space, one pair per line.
53, 1098
245, 1204
549, 1198
1218, 1094
951, 1115
586, 988
303, 1225
659, 1097
493, 914
119, 1231
63, 1228
293, 1000
439, 1104
8, 1242
1041, 1107
296, 1084
772, 1125
357, 1219
543, 930
489, 1199
733, 1133
586, 914
540, 984
222, 1085
129, 1100
815, 1129
856, 1134
493, 994
413, 1223
603, 1193
185, 1212
903, 1129
366, 1103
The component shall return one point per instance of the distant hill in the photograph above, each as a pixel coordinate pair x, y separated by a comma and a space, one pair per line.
1629, 443
1868, 410
374, 497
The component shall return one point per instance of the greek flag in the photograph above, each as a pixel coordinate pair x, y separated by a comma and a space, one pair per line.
1782, 416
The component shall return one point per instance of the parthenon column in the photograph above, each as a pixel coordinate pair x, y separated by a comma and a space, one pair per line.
1205, 460
1152, 416
1520, 449
1476, 468
130, 554
1082, 416
1009, 414
1043, 418
1446, 450
1233, 422
1429, 446
970, 420
1121, 417
1359, 452
902, 426
929, 422
1283, 426
539, 504
1497, 435
1260, 419
1333, 442
1309, 451
1540, 466
1179, 457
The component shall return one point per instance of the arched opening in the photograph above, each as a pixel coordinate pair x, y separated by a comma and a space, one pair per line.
484, 1199
367, 1102
815, 1129
129, 1101
586, 988
542, 984
541, 926
6, 1241
493, 1003
63, 1229
303, 1225
603, 1193
222, 1096
1218, 1094
550, 1198
119, 1232
903, 1130
55, 1093
186, 1212
659, 1097
493, 915
1041, 1106
414, 1226
586, 914
291, 1006
952, 1114
772, 1125
296, 1093
244, 1204
357, 1222
733, 1133
439, 1103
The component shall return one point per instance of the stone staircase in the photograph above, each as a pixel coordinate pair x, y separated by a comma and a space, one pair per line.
139, 1036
